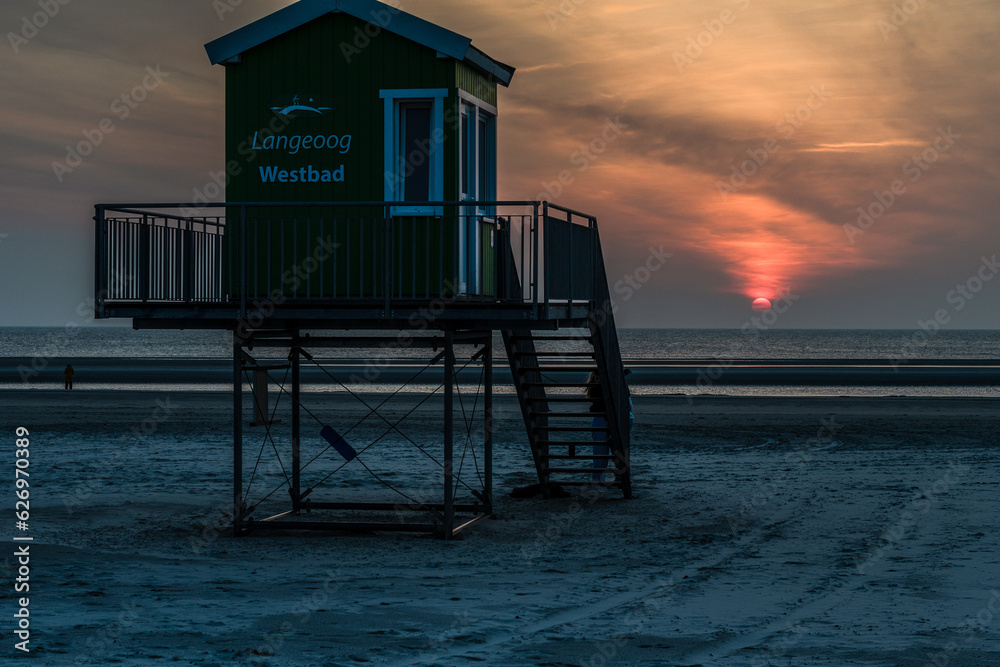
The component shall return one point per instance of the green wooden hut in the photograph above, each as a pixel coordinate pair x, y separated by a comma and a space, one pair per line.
361, 186
376, 117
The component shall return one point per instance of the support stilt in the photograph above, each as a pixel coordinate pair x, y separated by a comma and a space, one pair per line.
296, 425
237, 434
260, 401
450, 513
449, 434
488, 424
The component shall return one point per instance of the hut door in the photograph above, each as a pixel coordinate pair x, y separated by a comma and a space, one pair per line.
478, 187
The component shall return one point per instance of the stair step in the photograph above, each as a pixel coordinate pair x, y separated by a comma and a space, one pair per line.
571, 414
558, 399
579, 457
562, 384
571, 429
554, 353
573, 471
545, 338
570, 443
567, 483
557, 369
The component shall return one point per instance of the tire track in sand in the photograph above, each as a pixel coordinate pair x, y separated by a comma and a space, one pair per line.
517, 636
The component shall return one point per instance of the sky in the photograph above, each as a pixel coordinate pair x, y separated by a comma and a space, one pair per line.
838, 157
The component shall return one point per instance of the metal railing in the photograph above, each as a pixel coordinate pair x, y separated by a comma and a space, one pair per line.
144, 257
577, 236
569, 268
330, 254
608, 350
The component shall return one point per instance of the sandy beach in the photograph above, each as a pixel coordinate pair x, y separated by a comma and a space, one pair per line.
793, 531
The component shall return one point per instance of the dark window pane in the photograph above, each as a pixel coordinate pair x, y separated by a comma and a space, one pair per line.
467, 154
485, 159
416, 157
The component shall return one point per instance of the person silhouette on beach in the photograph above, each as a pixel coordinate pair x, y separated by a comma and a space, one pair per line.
601, 421
68, 375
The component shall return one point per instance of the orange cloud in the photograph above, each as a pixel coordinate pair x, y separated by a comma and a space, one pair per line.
766, 246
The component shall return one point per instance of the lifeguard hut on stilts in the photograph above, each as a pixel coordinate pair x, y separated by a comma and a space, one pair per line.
361, 214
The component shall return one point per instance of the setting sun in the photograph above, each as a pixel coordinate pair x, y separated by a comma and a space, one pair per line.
761, 304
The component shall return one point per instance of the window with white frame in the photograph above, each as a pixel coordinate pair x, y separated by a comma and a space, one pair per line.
477, 183
477, 163
414, 151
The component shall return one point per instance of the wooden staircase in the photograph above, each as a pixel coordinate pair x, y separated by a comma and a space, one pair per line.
550, 367
550, 373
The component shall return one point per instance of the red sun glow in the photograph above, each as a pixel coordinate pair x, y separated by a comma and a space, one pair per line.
769, 247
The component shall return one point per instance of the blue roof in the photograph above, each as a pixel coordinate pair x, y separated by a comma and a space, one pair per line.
405, 25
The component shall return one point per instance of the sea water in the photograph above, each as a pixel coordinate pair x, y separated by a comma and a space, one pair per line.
644, 344
650, 346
